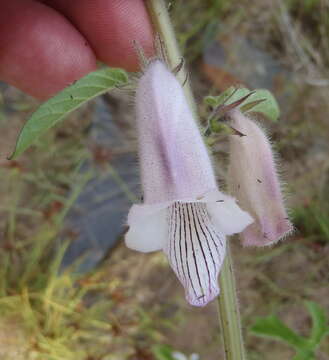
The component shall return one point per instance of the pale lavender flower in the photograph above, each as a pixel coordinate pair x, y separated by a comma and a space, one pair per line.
180, 356
183, 213
254, 182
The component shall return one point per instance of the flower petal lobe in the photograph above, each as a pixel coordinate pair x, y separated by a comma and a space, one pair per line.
195, 251
146, 233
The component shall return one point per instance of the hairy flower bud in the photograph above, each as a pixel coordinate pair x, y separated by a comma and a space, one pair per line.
253, 180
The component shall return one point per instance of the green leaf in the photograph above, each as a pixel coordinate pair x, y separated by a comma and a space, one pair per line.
251, 105
319, 323
162, 352
305, 348
226, 97
219, 128
211, 101
233, 94
69, 99
269, 107
304, 355
260, 101
273, 327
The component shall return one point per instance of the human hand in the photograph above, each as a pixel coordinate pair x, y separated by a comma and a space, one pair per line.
45, 45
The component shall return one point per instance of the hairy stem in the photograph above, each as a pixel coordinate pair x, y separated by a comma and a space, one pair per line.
162, 25
228, 305
229, 312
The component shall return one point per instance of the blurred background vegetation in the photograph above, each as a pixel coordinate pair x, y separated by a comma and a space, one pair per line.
119, 304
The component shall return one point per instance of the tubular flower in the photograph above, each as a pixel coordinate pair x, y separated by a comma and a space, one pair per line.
254, 182
184, 214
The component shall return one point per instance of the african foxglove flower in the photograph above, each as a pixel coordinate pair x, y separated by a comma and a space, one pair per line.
183, 212
254, 182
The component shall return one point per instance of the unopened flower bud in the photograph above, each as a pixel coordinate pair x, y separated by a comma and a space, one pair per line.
254, 182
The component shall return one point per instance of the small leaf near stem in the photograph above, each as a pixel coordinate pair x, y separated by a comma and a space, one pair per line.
69, 99
258, 101
219, 116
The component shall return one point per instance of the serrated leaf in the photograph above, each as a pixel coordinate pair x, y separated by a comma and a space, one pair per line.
319, 323
69, 99
273, 327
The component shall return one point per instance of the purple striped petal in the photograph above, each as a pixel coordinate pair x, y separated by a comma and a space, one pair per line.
195, 250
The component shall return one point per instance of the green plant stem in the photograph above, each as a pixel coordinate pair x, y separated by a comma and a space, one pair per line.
229, 311
162, 25
228, 305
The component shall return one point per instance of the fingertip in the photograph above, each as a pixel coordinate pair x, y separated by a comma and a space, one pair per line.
112, 29
44, 53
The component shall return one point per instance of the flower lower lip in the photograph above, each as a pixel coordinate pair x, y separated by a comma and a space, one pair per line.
192, 233
195, 251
